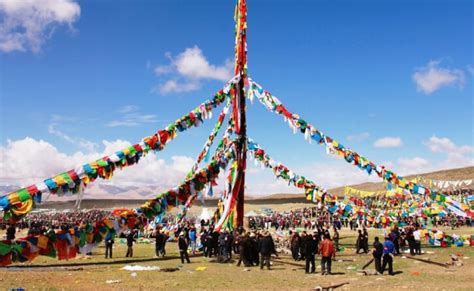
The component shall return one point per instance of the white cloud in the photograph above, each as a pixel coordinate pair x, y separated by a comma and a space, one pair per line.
388, 142
327, 175
171, 86
358, 137
456, 156
413, 166
27, 161
128, 109
445, 145
470, 69
27, 24
87, 145
131, 116
432, 77
339, 173
191, 66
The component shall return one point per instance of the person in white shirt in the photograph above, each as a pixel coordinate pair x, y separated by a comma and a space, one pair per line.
417, 237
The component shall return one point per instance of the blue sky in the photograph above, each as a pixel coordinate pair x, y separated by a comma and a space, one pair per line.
391, 79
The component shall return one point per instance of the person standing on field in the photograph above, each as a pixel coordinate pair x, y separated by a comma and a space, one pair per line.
328, 252
388, 253
377, 254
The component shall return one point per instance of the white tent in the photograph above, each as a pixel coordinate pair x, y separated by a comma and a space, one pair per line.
205, 214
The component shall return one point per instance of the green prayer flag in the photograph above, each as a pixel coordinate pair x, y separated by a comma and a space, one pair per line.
23, 195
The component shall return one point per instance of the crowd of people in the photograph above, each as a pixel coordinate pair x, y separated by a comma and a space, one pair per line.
307, 232
56, 219
313, 218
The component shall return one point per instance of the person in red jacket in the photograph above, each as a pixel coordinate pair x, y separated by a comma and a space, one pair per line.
327, 252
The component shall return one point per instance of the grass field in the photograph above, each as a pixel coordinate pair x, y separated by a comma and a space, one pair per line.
92, 273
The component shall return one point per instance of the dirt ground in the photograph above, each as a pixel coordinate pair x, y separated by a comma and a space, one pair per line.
96, 271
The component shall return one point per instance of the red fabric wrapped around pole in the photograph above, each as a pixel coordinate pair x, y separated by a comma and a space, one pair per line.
239, 104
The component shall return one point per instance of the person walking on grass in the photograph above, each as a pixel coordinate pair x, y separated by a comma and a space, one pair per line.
130, 241
160, 241
417, 238
410, 237
266, 247
223, 256
311, 248
365, 241
244, 249
394, 238
295, 246
183, 248
328, 252
360, 241
302, 243
109, 243
388, 252
377, 253
193, 239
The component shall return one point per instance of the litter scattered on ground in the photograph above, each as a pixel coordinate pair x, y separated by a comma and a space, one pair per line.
133, 274
368, 273
113, 281
403, 257
351, 268
247, 270
201, 268
346, 260
140, 268
455, 261
330, 287
415, 273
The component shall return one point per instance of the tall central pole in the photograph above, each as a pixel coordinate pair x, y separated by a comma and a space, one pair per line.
239, 109
242, 153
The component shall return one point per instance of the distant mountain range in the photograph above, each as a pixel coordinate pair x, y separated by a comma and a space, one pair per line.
103, 190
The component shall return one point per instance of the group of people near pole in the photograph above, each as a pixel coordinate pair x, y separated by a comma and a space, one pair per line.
306, 246
253, 248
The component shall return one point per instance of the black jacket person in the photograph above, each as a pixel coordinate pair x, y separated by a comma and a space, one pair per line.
266, 247
311, 247
183, 248
130, 241
377, 253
